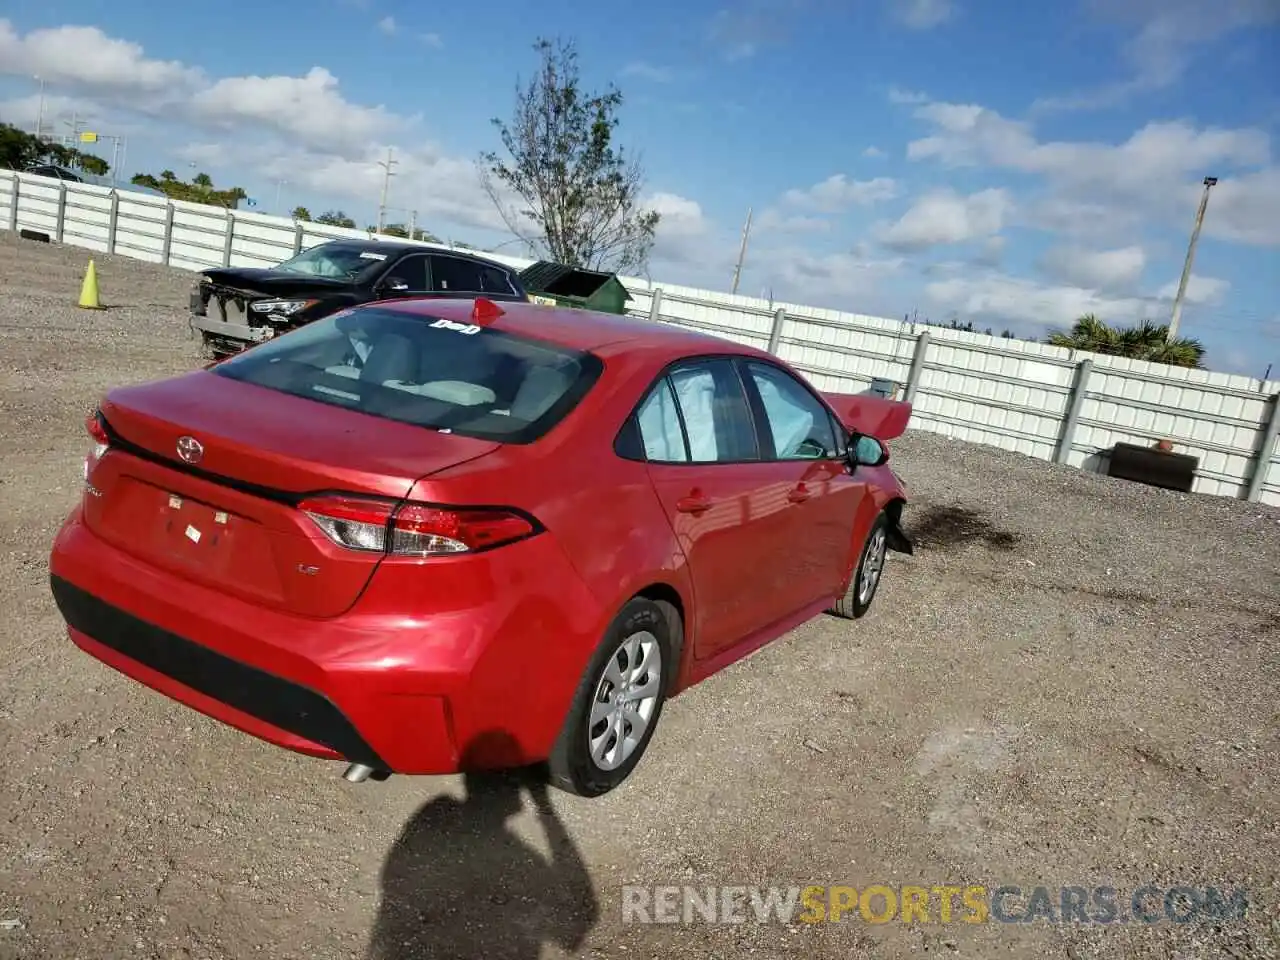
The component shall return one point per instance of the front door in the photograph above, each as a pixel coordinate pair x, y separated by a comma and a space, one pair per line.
804, 441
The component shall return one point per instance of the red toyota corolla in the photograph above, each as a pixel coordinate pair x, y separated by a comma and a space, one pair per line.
428, 536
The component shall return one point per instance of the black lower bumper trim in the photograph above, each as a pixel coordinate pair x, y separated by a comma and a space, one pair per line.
283, 704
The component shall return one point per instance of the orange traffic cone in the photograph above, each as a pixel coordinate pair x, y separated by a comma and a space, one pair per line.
89, 289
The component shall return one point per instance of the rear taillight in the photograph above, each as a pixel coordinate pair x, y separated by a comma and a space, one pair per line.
414, 529
101, 441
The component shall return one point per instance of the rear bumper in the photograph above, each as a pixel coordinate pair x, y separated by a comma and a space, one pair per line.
387, 685
234, 692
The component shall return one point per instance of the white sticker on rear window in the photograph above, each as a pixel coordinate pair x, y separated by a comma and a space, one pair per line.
370, 255
470, 329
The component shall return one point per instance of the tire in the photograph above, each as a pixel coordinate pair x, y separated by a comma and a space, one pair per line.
862, 591
573, 766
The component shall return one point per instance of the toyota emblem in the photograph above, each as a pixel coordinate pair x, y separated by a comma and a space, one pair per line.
190, 449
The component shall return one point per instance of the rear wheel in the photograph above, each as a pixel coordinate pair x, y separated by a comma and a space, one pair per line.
617, 704
867, 574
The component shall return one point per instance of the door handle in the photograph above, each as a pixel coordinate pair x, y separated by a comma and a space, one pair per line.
694, 503
799, 493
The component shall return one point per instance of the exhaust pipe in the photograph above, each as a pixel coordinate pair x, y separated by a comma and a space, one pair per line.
357, 773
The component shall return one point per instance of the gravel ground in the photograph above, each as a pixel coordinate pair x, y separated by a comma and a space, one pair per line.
1073, 682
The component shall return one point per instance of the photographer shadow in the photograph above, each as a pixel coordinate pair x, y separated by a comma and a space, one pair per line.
460, 883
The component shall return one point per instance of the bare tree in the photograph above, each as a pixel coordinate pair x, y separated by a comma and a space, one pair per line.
578, 194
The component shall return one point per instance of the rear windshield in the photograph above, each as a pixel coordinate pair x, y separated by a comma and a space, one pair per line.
424, 370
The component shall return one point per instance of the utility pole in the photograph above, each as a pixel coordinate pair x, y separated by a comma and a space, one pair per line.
40, 108
1209, 183
386, 165
279, 184
742, 252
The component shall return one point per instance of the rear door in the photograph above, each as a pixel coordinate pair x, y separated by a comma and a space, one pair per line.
452, 276
725, 504
804, 441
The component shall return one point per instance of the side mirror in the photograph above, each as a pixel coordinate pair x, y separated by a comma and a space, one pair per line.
868, 452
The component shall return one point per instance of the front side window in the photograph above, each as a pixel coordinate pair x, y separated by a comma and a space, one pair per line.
800, 426
412, 271
422, 370
337, 261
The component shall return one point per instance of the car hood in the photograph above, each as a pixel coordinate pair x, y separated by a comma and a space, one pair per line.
274, 282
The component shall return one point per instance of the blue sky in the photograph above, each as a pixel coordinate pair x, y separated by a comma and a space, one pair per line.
1011, 164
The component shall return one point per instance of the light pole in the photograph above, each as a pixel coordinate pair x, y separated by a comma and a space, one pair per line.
742, 252
40, 108
386, 165
1209, 183
279, 184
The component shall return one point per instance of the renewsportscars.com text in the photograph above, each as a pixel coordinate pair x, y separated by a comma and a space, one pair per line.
882, 903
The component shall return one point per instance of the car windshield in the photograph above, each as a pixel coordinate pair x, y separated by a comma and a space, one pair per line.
337, 261
424, 370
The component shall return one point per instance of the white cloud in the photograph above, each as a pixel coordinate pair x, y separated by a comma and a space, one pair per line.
1108, 270
1031, 307
310, 109
873, 152
388, 26
683, 229
433, 40
85, 57
648, 71
1201, 290
1166, 36
848, 281
838, 193
944, 217
921, 14
1153, 175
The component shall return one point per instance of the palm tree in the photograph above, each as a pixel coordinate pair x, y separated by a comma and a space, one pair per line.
1146, 341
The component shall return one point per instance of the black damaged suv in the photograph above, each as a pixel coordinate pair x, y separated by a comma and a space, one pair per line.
235, 307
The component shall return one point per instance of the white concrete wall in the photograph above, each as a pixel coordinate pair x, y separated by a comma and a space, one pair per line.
1004, 393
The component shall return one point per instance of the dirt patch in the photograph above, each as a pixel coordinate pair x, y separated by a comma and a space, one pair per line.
947, 527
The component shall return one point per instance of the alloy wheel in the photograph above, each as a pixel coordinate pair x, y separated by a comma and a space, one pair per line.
626, 697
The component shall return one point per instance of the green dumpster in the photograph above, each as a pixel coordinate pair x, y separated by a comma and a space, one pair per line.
565, 286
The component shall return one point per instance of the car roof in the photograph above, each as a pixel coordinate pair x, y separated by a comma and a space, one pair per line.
577, 329
399, 244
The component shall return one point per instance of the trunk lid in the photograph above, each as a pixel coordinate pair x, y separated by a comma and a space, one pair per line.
871, 415
230, 520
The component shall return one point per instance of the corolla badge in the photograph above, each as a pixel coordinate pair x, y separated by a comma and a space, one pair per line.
190, 449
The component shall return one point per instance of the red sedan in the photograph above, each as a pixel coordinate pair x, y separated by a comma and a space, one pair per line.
424, 537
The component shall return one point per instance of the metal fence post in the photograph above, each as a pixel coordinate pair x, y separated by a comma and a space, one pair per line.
60, 225
168, 233
113, 219
775, 330
1266, 450
229, 238
655, 305
917, 366
1075, 401
13, 202
297, 237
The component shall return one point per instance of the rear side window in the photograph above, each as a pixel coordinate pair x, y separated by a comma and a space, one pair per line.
423, 370
495, 281
455, 275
